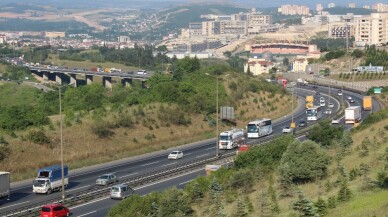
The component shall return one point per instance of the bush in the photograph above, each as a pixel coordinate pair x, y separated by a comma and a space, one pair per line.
5, 151
38, 137
242, 179
102, 130
325, 134
304, 162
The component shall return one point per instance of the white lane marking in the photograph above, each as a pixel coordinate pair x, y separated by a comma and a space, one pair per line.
185, 182
129, 175
78, 188
210, 148
169, 164
88, 213
187, 154
93, 201
14, 204
150, 163
202, 155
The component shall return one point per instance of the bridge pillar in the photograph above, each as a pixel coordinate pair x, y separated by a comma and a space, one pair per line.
107, 82
58, 78
73, 80
89, 79
126, 82
46, 76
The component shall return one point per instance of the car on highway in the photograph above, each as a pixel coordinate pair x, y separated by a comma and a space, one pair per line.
106, 179
351, 101
315, 86
328, 111
302, 123
339, 92
175, 155
287, 129
121, 191
349, 98
54, 210
317, 93
335, 121
331, 105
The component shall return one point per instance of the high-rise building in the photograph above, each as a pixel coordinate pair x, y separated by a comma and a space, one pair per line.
319, 7
371, 29
341, 30
366, 7
294, 10
380, 7
256, 21
331, 5
352, 5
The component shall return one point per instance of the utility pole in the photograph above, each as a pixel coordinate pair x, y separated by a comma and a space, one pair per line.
61, 126
217, 120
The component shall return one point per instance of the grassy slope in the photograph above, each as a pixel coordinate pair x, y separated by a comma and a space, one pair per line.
83, 148
12, 94
369, 202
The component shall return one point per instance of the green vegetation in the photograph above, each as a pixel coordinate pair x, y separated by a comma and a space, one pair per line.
375, 56
286, 177
346, 10
329, 44
38, 25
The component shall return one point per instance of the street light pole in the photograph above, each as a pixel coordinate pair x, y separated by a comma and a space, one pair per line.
61, 126
217, 120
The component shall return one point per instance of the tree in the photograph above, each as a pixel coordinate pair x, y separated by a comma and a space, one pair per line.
344, 192
305, 161
241, 209
357, 53
321, 207
325, 134
264, 205
304, 206
346, 140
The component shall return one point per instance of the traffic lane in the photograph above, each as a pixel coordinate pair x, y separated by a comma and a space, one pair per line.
101, 207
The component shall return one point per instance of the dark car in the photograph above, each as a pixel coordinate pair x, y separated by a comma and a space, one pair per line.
315, 86
317, 93
54, 210
302, 123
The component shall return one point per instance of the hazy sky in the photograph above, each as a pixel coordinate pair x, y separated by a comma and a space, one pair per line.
163, 3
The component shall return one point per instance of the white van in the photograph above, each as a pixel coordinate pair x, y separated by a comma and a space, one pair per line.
121, 191
142, 72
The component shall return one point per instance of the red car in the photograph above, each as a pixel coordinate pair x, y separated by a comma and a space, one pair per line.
54, 210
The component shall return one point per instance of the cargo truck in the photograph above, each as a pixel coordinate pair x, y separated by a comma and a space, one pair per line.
4, 185
352, 114
231, 139
367, 103
50, 179
309, 102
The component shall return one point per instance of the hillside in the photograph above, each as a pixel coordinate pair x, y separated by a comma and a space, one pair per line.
353, 181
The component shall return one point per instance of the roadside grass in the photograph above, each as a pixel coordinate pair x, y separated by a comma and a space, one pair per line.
348, 77
83, 148
14, 94
53, 59
3, 67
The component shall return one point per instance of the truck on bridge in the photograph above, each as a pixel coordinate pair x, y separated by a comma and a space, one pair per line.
50, 179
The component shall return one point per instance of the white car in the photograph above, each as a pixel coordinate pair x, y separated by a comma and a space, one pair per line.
175, 155
339, 93
328, 112
331, 105
349, 98
335, 121
287, 130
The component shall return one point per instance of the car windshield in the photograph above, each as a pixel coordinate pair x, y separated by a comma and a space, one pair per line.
46, 209
286, 128
175, 152
104, 177
224, 138
39, 183
311, 112
115, 189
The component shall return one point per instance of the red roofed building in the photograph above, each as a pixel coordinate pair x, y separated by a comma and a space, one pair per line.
257, 66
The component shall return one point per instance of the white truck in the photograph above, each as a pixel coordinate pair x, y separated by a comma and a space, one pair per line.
352, 114
231, 139
4, 185
50, 179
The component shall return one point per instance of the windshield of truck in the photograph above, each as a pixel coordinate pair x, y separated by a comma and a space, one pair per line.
224, 138
115, 189
39, 183
311, 112
44, 174
252, 128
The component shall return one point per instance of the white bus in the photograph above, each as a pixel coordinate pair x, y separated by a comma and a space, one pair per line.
259, 128
314, 113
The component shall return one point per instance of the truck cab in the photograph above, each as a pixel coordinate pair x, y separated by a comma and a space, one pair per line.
50, 179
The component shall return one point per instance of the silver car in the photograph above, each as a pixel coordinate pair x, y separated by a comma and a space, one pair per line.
106, 179
121, 191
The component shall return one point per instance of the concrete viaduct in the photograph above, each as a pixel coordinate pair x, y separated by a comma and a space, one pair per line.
69, 76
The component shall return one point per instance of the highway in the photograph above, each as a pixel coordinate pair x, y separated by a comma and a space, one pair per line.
22, 195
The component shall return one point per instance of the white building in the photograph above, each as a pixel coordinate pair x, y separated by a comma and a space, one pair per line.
371, 29
257, 66
299, 65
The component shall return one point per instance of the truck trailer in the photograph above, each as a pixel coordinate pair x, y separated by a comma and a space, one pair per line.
4, 185
352, 114
231, 139
50, 179
367, 103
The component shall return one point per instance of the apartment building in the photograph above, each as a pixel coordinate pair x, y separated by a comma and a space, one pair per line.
211, 28
331, 5
195, 29
256, 22
233, 27
341, 30
257, 66
299, 65
352, 5
53, 34
371, 29
380, 7
294, 10
319, 7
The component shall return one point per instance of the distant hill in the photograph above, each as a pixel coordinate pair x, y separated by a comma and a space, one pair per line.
20, 8
343, 10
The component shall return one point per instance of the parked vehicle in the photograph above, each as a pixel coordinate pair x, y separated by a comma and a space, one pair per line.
309, 102
231, 139
4, 185
352, 114
175, 155
50, 179
106, 179
367, 103
54, 210
121, 191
